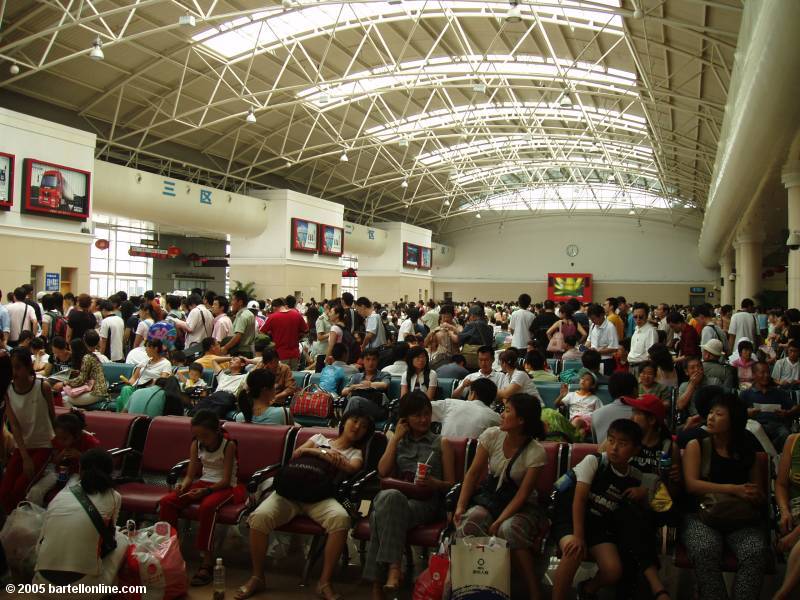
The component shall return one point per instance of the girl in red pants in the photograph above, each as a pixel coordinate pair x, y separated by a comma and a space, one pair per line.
213, 457
30, 413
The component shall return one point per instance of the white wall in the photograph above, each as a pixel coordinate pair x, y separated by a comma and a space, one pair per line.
611, 249
390, 262
364, 241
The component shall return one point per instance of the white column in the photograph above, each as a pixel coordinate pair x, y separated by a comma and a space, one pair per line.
791, 179
749, 242
727, 295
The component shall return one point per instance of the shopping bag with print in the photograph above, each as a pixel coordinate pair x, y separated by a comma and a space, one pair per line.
480, 569
430, 583
154, 560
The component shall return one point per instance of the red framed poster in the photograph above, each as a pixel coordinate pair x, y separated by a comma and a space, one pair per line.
410, 255
6, 181
564, 286
331, 240
55, 190
304, 236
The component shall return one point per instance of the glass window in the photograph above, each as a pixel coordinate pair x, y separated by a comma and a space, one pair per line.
349, 284
113, 269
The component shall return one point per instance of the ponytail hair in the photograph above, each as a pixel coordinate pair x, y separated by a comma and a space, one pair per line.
96, 469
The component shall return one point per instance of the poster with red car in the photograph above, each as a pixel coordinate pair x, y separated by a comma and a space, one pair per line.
55, 190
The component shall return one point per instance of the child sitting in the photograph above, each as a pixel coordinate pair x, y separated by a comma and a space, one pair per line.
571, 351
593, 518
69, 442
193, 379
213, 459
536, 367
744, 364
621, 356
40, 356
582, 402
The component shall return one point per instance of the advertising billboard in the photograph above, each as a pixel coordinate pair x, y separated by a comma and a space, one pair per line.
331, 240
6, 180
304, 235
55, 190
563, 286
410, 255
424, 258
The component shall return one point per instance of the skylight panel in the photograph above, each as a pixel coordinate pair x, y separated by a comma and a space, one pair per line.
574, 196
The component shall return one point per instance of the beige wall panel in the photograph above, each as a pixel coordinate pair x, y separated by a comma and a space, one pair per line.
20, 253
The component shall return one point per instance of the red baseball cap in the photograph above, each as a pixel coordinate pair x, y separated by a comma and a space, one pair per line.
649, 403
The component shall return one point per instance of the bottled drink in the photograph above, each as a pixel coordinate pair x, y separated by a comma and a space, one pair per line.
665, 464
130, 528
62, 475
219, 580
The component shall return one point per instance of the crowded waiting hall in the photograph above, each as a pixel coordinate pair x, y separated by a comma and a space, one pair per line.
400, 300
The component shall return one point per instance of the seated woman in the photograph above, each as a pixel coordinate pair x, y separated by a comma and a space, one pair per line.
69, 443
513, 458
514, 380
90, 376
418, 375
732, 470
344, 453
68, 525
257, 404
787, 496
366, 391
649, 385
393, 514
145, 374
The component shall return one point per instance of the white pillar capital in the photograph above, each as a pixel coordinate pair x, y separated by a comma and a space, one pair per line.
790, 174
750, 232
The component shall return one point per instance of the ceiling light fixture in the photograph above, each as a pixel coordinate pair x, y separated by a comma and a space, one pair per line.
288, 164
251, 116
343, 157
477, 215
187, 21
610, 178
480, 88
96, 53
447, 202
514, 14
324, 98
631, 211
403, 143
404, 183
638, 13
14, 69
565, 101
287, 4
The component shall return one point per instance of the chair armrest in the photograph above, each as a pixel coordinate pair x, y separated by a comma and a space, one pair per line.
259, 477
358, 489
451, 499
175, 472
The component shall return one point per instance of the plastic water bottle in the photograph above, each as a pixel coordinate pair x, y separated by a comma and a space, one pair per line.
130, 529
219, 580
62, 475
665, 464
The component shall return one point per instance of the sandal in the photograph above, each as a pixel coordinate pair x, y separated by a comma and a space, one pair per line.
253, 586
203, 576
326, 592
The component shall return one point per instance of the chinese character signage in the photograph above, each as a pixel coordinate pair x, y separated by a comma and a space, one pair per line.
52, 282
564, 286
55, 190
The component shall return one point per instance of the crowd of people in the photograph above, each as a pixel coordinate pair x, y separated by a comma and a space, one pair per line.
694, 395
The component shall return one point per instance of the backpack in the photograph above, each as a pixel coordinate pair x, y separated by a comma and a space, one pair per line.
353, 349
147, 401
58, 326
220, 403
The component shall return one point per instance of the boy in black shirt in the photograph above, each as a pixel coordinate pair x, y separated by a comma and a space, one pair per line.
589, 523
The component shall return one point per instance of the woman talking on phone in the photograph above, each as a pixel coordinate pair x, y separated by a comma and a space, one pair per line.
416, 454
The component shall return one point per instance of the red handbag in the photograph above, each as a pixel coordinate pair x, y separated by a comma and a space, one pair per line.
312, 401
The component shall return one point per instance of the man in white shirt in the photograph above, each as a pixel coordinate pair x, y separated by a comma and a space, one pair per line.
233, 378
662, 310
520, 324
222, 322
744, 325
375, 336
112, 333
431, 317
644, 336
21, 317
485, 371
199, 323
602, 336
468, 418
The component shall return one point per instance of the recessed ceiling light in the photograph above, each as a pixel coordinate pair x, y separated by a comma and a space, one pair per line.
251, 116
404, 183
343, 157
96, 53
447, 202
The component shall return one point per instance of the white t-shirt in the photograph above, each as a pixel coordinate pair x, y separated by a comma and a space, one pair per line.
523, 380
153, 370
580, 406
339, 333
586, 469
137, 356
495, 376
200, 322
463, 418
432, 381
230, 382
114, 327
743, 325
66, 525
406, 327
533, 456
142, 328
520, 323
320, 441
20, 313
374, 325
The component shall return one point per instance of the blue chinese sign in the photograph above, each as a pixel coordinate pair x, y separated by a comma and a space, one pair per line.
205, 196
169, 188
52, 282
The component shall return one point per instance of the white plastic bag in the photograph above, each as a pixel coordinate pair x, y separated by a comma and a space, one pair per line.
154, 560
20, 536
480, 569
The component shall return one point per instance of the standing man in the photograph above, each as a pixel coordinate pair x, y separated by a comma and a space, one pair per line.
744, 324
610, 308
375, 336
286, 327
5, 324
626, 317
244, 327
222, 322
520, 324
542, 322
603, 335
644, 336
661, 312
21, 317
689, 342
112, 333
199, 322
431, 317
352, 319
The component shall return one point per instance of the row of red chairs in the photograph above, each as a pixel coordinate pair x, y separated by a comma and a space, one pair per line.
158, 449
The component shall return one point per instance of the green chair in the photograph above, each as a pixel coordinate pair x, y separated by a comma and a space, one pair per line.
549, 392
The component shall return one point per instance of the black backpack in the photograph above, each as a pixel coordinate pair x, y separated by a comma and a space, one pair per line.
353, 349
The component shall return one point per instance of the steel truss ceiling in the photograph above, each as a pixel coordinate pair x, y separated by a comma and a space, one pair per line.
441, 108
